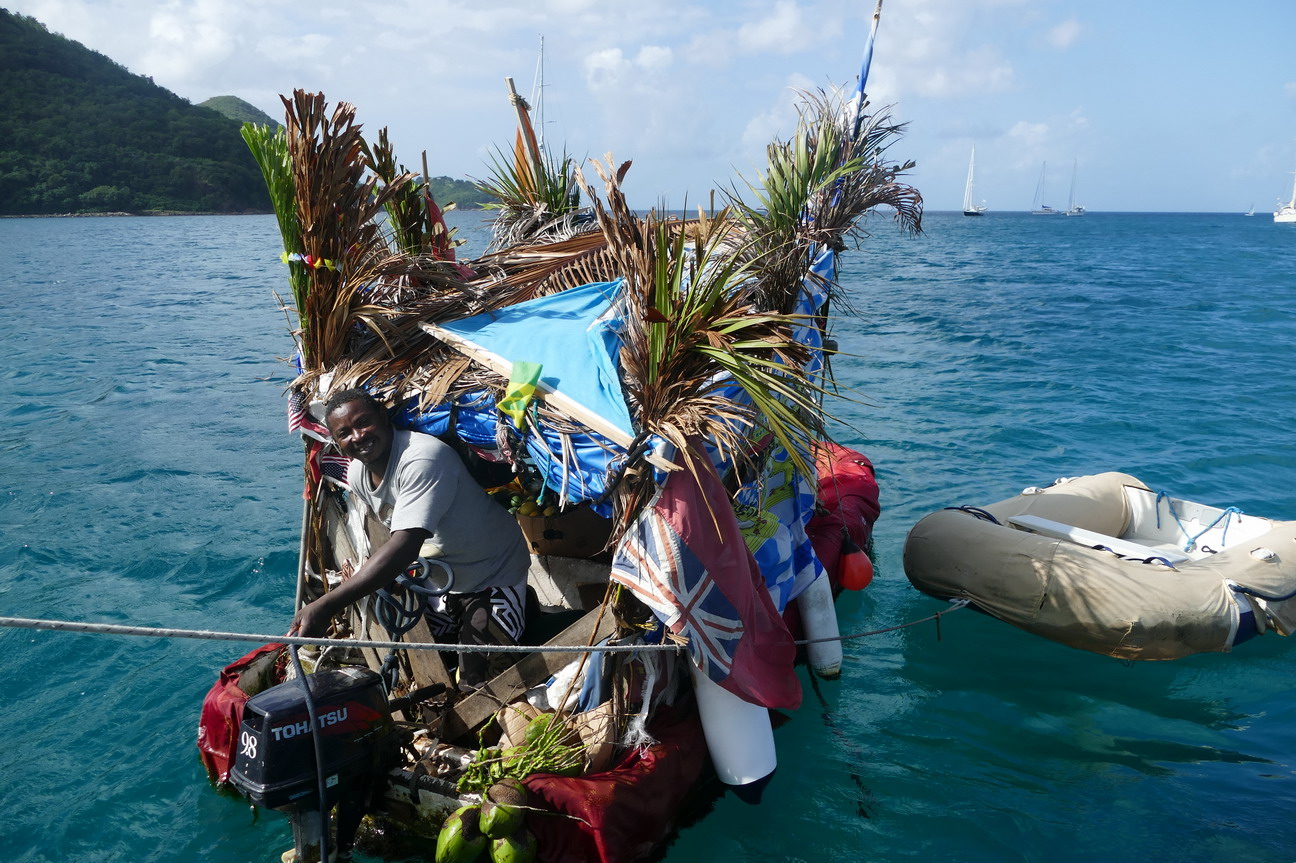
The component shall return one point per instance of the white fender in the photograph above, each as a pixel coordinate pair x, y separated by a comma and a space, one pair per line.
738, 733
819, 620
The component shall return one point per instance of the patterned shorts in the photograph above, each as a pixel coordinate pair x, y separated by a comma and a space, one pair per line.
496, 615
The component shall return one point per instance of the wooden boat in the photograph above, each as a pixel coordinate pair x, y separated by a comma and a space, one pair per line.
1106, 564
645, 393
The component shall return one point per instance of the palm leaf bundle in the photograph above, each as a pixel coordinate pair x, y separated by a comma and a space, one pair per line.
693, 333
815, 187
341, 245
270, 150
414, 220
537, 195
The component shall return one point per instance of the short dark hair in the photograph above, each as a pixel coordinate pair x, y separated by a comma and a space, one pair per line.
355, 394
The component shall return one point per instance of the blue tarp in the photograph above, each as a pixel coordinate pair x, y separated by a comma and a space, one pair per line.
574, 335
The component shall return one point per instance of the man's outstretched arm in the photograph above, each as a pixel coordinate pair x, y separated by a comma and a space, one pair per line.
379, 571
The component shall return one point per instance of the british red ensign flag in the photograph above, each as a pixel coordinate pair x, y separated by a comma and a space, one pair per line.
687, 561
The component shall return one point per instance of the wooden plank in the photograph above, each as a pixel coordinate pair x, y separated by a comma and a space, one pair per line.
426, 665
571, 408
532, 670
343, 550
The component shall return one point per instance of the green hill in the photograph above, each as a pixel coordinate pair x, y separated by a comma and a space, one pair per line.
236, 109
462, 193
81, 134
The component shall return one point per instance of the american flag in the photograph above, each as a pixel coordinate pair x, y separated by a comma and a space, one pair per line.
322, 460
334, 465
300, 419
685, 558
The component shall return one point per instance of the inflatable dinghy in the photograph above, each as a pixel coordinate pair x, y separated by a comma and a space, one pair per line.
1103, 563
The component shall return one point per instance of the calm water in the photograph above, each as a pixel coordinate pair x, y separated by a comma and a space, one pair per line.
149, 479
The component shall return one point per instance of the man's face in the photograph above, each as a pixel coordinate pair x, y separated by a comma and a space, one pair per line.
362, 433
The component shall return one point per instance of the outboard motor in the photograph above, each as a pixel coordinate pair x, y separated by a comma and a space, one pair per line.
275, 766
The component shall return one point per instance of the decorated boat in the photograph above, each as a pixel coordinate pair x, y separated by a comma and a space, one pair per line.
1105, 563
648, 394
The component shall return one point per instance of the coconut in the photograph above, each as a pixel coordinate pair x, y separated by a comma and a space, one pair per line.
461, 839
519, 847
500, 812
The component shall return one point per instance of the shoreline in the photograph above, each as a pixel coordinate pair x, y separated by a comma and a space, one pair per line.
151, 213
144, 214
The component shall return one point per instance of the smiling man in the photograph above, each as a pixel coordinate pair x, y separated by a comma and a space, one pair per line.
420, 488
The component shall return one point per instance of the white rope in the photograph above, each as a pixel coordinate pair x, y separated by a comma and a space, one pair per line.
212, 635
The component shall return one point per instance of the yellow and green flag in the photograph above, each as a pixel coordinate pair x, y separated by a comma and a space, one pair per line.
521, 386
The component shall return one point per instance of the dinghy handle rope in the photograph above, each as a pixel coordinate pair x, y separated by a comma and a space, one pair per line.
1249, 591
1157, 559
1224, 516
977, 511
294, 640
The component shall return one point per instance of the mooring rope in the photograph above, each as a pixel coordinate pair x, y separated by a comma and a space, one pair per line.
213, 635
955, 605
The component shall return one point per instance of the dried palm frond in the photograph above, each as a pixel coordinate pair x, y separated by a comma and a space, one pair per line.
336, 205
692, 335
535, 269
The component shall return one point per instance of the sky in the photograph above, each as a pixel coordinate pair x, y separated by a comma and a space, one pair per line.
1152, 105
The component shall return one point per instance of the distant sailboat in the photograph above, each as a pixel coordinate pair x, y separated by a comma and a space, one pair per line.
1287, 212
970, 209
1250, 212
1039, 208
1073, 209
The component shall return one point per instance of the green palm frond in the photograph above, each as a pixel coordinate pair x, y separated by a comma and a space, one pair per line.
692, 333
536, 198
269, 148
815, 188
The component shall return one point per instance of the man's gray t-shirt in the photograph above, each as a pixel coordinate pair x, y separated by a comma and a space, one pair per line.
427, 486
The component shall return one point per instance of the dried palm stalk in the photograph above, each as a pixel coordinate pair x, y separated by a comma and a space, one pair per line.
341, 243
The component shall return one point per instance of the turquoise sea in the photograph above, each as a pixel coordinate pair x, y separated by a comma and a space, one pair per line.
149, 479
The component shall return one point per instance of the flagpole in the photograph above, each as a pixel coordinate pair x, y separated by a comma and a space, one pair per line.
864, 68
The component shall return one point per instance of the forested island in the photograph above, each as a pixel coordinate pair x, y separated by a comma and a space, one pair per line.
81, 134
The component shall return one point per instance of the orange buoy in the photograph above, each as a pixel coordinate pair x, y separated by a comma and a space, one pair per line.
855, 570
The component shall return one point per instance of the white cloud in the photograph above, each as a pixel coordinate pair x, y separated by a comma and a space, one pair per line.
777, 120
785, 31
928, 53
1064, 34
186, 41
1029, 134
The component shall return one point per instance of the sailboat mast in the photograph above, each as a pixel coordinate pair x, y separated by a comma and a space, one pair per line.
537, 98
967, 192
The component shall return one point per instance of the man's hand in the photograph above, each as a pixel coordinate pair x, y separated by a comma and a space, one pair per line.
380, 570
311, 621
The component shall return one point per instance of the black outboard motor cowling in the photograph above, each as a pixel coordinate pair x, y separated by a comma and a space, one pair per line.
275, 763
